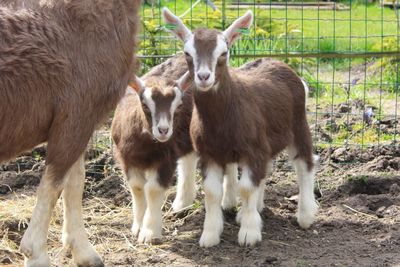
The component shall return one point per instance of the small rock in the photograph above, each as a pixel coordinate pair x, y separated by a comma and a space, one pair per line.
394, 189
381, 209
344, 108
270, 259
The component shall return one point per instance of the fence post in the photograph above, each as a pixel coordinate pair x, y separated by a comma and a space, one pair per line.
223, 14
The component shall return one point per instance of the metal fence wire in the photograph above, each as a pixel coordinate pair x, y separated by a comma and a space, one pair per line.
347, 51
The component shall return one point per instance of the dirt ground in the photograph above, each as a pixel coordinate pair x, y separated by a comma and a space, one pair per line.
358, 223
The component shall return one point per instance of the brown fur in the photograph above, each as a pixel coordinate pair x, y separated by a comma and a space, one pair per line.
256, 112
131, 128
63, 67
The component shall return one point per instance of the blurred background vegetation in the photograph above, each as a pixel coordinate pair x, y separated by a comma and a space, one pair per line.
347, 51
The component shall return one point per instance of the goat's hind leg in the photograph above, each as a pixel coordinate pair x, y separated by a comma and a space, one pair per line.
74, 234
186, 183
307, 206
230, 186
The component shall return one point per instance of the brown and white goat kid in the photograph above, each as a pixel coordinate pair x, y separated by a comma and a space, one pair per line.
173, 69
64, 65
246, 117
151, 131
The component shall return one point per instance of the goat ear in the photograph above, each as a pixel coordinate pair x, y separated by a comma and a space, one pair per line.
239, 26
137, 85
175, 25
184, 82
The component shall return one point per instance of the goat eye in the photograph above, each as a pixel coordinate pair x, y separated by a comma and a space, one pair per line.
187, 55
224, 54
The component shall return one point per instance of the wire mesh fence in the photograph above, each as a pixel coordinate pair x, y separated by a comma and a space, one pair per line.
348, 53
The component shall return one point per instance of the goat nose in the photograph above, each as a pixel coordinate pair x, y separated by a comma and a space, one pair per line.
163, 130
203, 76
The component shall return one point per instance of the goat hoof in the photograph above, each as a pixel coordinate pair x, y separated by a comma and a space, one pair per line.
93, 262
147, 236
135, 229
180, 205
229, 204
249, 237
209, 239
306, 216
42, 260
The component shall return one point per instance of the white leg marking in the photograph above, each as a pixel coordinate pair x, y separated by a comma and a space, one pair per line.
33, 243
186, 184
230, 185
152, 221
250, 221
136, 181
74, 234
307, 207
213, 222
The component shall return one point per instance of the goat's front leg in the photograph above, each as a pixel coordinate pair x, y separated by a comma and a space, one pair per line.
250, 219
152, 221
213, 223
186, 183
230, 185
136, 181
33, 243
74, 234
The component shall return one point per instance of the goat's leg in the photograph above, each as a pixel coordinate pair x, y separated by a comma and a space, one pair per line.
230, 185
261, 190
186, 183
213, 222
33, 243
307, 206
152, 220
250, 219
74, 234
260, 204
136, 181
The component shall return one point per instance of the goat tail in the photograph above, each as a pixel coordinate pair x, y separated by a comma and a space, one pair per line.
306, 90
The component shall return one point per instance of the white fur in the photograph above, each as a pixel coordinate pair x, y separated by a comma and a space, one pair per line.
250, 221
307, 207
213, 223
306, 90
136, 181
152, 220
33, 243
186, 184
74, 234
163, 122
230, 185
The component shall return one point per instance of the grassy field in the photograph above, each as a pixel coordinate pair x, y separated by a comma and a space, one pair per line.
357, 28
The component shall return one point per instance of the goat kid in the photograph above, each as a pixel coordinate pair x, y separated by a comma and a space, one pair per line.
151, 131
64, 65
246, 116
175, 68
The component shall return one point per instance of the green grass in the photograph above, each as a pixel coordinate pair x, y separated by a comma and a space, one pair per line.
361, 28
